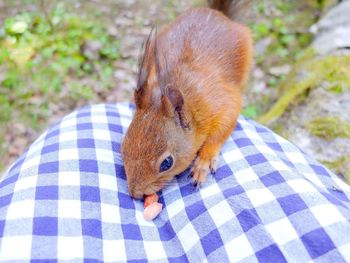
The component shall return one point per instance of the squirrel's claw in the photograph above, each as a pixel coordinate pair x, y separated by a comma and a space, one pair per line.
196, 185
190, 175
213, 164
199, 171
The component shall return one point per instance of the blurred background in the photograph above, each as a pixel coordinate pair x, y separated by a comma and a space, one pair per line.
56, 56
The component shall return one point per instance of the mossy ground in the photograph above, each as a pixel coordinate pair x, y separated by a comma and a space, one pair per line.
329, 128
309, 73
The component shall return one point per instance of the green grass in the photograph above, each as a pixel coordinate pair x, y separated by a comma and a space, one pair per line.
43, 57
287, 27
46, 67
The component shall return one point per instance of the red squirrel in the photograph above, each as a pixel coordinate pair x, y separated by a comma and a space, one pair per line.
188, 97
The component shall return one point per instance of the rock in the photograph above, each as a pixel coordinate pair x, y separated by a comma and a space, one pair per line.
130, 48
123, 21
333, 30
261, 46
257, 73
113, 31
281, 70
91, 49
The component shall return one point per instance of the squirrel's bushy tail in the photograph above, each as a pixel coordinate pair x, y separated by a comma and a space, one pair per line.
235, 9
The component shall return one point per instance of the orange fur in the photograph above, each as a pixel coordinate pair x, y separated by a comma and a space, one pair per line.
204, 62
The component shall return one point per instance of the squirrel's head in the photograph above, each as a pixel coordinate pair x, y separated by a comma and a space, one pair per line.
159, 143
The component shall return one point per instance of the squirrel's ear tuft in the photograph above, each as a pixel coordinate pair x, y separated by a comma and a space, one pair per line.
172, 102
176, 99
173, 106
142, 95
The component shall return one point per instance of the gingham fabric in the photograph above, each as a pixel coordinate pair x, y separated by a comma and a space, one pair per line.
66, 199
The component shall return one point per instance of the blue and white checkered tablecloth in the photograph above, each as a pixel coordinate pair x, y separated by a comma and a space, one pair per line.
66, 199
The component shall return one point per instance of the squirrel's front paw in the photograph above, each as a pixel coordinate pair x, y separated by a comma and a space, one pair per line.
201, 168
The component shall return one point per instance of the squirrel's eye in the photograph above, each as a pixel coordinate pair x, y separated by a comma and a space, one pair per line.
166, 164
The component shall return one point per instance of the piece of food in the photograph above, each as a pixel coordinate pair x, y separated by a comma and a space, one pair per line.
149, 199
152, 207
152, 211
